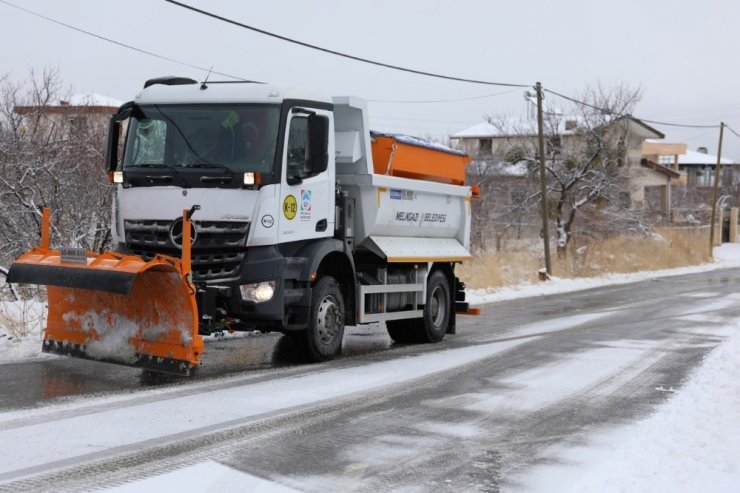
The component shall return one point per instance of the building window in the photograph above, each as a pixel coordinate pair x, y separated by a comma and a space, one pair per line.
485, 146
554, 145
76, 126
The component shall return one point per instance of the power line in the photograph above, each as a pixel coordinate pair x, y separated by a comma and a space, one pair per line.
678, 125
608, 111
692, 112
340, 54
118, 43
732, 130
431, 101
699, 136
422, 120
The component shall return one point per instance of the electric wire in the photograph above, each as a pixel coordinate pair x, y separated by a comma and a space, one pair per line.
340, 54
124, 45
432, 101
608, 111
732, 130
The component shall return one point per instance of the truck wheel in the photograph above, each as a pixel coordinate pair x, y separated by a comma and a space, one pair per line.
436, 310
432, 327
322, 339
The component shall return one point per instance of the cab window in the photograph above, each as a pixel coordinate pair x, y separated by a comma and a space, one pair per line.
297, 146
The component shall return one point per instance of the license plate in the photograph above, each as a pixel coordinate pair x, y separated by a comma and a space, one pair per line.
71, 254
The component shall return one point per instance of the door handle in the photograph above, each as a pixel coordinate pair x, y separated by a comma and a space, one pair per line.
321, 225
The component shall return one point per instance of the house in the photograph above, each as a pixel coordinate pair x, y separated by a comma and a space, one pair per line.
69, 117
698, 167
491, 143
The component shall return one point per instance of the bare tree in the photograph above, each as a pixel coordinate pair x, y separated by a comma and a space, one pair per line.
587, 160
593, 169
49, 158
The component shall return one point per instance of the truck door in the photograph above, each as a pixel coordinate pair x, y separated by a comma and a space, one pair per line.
307, 184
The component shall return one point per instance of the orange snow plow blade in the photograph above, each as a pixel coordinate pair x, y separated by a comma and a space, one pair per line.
116, 308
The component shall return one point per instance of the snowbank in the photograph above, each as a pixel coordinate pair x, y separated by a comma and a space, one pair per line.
690, 444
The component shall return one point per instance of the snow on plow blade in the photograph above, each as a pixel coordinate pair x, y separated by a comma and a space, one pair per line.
116, 308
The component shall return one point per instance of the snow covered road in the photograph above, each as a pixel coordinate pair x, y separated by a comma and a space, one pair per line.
513, 402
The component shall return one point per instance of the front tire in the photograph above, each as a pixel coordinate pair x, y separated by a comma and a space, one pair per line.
322, 340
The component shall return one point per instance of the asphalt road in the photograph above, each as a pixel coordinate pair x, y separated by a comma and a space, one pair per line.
534, 375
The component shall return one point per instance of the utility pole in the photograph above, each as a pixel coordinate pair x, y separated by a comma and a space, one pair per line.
543, 180
715, 192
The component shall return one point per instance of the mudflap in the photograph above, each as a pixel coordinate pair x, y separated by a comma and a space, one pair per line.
117, 309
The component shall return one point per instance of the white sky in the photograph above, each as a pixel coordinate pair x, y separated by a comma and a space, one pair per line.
680, 52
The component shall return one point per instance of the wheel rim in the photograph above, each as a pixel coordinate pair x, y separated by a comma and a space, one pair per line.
438, 307
329, 319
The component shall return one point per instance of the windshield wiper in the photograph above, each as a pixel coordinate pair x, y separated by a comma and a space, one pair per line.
212, 179
208, 165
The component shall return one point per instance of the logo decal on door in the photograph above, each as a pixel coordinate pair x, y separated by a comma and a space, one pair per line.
305, 205
290, 207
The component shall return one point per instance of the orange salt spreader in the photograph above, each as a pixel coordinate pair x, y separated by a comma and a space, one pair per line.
411, 157
117, 308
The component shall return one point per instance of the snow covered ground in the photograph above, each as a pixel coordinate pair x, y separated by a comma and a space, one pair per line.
691, 443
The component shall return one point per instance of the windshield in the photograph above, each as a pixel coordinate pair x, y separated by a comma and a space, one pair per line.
237, 138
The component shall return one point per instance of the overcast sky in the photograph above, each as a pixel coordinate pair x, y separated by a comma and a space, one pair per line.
681, 53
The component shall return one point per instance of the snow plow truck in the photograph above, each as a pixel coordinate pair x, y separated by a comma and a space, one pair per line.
246, 206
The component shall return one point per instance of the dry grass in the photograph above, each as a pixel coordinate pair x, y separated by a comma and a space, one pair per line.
667, 248
22, 318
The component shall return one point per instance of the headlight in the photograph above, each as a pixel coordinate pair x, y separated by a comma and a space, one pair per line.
258, 292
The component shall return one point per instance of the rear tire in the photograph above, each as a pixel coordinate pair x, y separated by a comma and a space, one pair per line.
435, 321
437, 317
322, 339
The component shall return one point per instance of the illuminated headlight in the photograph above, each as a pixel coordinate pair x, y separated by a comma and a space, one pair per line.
118, 177
258, 292
249, 178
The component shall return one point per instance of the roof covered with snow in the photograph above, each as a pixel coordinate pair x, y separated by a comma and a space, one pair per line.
91, 99
566, 125
695, 157
482, 129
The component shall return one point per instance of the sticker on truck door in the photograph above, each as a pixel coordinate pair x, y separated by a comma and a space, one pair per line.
305, 205
290, 207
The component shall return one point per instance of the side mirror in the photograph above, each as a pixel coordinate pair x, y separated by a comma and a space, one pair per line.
111, 151
114, 133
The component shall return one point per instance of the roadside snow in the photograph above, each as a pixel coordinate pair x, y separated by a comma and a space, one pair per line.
692, 443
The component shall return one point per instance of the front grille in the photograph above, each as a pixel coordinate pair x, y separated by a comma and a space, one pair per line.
217, 253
